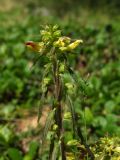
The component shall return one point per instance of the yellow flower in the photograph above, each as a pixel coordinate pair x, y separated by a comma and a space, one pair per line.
35, 46
65, 39
74, 44
59, 43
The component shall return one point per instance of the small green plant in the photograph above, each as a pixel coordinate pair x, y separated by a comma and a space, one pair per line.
62, 121
107, 148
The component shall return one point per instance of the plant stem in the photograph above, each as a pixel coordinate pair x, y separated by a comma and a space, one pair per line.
79, 133
51, 147
58, 98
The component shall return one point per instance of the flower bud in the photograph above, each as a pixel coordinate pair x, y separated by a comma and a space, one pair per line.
63, 49
55, 127
72, 142
69, 86
46, 80
62, 68
67, 115
55, 27
57, 33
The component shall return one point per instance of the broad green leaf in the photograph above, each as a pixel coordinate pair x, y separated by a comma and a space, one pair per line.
14, 154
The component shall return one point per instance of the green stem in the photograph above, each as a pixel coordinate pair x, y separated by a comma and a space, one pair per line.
79, 133
58, 98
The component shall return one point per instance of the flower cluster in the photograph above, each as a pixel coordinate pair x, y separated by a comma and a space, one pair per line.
51, 36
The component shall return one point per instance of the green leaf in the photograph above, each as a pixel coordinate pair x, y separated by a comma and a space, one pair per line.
5, 133
109, 106
100, 121
32, 151
48, 124
88, 116
27, 157
14, 154
68, 136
